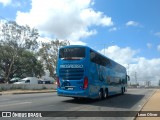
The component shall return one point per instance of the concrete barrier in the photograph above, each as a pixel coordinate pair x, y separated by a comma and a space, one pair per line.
27, 86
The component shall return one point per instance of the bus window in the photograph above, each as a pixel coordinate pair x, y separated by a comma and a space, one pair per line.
127, 78
98, 59
73, 53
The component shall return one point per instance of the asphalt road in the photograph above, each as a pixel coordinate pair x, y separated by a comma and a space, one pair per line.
133, 100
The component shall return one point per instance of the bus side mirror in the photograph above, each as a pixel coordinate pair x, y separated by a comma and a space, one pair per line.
128, 78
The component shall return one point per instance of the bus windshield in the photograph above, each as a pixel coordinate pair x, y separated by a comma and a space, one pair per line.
73, 53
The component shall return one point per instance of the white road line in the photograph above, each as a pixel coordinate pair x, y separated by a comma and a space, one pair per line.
8, 102
4, 100
21, 103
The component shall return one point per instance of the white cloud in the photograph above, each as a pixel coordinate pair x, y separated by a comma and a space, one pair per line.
15, 3
121, 55
112, 29
76, 42
158, 48
5, 2
64, 19
48, 40
149, 45
81, 34
146, 69
43, 40
132, 23
157, 34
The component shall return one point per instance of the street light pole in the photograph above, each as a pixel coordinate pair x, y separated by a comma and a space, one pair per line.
105, 46
136, 78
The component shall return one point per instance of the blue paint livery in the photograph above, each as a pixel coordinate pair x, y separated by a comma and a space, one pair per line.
101, 74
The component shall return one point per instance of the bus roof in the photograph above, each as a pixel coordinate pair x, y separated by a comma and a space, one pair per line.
73, 46
94, 51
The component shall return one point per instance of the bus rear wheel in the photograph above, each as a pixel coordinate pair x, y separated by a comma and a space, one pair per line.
100, 95
122, 90
105, 93
76, 98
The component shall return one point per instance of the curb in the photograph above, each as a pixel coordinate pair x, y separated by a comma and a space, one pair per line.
26, 92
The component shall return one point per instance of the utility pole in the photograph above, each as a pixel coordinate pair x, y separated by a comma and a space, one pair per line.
105, 46
136, 78
128, 69
128, 73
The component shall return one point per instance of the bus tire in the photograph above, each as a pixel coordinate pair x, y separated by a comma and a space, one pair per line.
122, 91
76, 98
100, 94
105, 93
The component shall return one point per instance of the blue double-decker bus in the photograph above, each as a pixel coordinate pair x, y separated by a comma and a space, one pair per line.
84, 73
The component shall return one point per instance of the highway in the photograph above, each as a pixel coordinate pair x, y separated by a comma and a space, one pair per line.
132, 100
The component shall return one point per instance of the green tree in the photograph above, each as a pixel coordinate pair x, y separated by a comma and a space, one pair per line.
48, 54
14, 40
27, 65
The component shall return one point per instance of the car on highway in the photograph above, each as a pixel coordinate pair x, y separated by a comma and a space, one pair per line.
45, 82
15, 79
28, 80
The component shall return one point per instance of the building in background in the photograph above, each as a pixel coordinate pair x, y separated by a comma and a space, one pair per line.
148, 83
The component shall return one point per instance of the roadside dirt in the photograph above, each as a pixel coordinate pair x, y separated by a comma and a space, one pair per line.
153, 104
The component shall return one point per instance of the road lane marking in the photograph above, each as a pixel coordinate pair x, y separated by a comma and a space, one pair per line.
4, 100
7, 102
21, 103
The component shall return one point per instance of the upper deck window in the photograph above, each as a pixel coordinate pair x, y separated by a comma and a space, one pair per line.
73, 53
99, 59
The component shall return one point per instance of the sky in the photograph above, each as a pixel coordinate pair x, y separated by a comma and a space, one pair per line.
127, 31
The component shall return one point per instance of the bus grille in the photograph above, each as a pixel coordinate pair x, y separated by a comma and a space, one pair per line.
71, 73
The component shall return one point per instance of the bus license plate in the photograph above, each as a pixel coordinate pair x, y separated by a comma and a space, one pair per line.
70, 88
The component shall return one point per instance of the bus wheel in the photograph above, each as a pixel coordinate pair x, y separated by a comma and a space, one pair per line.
76, 98
100, 94
106, 93
122, 91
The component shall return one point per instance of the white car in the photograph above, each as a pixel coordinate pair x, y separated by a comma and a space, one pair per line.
28, 80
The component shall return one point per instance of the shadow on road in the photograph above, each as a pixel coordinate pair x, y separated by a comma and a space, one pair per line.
118, 101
